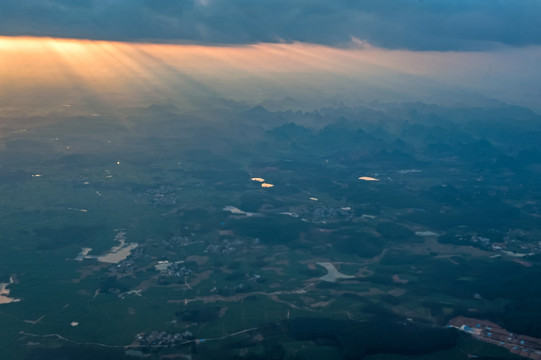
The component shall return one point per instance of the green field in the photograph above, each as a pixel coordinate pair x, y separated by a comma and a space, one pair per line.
165, 183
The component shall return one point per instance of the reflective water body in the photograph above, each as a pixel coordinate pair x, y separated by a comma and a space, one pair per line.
368, 178
237, 211
332, 273
4, 293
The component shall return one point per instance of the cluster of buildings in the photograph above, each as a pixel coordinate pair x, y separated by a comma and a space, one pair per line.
162, 195
525, 346
163, 339
328, 212
226, 247
177, 241
242, 287
173, 269
509, 245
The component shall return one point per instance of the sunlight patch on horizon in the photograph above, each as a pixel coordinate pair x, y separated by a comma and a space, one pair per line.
50, 72
47, 73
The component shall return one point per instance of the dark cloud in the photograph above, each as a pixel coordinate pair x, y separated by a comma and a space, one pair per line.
411, 24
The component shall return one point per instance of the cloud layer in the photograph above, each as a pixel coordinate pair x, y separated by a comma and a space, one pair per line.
408, 24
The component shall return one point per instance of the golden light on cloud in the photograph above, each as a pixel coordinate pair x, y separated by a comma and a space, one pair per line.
47, 73
368, 178
266, 185
258, 179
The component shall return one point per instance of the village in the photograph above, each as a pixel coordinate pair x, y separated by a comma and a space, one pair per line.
162, 338
525, 346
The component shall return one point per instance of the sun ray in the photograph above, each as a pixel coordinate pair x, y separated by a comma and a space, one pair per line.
47, 73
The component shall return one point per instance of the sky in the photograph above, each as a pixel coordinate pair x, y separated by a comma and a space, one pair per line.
394, 24
102, 52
